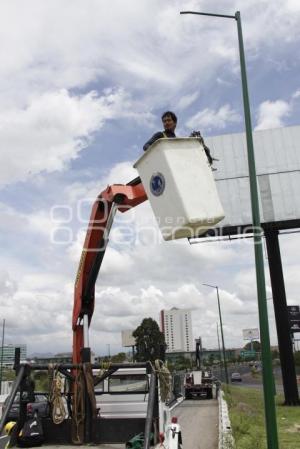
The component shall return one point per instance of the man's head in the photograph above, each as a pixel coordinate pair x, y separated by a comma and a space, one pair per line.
169, 120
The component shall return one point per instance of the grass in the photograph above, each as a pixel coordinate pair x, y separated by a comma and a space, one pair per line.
246, 411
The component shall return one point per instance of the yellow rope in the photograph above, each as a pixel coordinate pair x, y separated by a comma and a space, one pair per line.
78, 412
165, 380
57, 404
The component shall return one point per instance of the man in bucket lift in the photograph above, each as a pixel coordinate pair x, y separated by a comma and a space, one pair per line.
169, 121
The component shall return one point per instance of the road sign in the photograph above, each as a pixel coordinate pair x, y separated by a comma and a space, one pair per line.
128, 339
294, 318
248, 353
250, 334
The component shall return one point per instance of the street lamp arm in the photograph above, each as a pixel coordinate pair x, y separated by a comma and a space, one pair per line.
208, 14
208, 285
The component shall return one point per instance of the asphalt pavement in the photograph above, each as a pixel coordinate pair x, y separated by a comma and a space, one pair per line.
199, 421
3, 441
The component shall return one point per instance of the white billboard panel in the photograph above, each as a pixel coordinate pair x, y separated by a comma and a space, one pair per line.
127, 339
251, 334
277, 156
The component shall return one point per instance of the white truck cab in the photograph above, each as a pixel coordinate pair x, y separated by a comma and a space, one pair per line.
126, 400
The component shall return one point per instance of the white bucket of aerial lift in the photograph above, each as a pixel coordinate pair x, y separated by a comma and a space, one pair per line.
180, 186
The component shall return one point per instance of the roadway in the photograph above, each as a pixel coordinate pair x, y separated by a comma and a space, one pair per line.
3, 441
198, 418
199, 421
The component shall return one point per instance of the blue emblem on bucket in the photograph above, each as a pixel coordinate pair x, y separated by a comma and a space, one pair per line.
157, 183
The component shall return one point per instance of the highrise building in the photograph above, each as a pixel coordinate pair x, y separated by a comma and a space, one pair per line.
176, 324
8, 356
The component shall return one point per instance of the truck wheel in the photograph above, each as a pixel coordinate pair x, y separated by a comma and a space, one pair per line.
209, 395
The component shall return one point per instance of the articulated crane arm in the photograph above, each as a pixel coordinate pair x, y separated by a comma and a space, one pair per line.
116, 197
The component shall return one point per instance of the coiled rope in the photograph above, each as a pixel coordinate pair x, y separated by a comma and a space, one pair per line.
78, 414
165, 380
58, 411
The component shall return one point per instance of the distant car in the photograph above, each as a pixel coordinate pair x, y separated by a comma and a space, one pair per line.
236, 377
40, 405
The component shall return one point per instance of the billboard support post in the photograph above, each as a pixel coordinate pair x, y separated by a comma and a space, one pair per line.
285, 345
268, 379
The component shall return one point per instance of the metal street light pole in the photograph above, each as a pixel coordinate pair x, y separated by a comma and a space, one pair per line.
220, 354
221, 327
268, 379
1, 360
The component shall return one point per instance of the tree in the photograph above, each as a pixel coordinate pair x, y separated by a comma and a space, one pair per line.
211, 359
180, 363
255, 345
150, 341
41, 380
8, 374
118, 358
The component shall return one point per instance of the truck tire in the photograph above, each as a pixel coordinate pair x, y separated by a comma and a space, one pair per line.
209, 395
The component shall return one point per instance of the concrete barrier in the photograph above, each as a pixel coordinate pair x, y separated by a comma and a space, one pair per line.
226, 440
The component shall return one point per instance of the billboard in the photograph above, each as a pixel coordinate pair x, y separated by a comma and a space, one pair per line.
127, 339
294, 318
250, 334
277, 155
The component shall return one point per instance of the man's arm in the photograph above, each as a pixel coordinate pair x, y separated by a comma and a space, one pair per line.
155, 137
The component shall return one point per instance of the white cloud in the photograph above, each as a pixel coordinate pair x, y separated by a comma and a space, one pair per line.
293, 6
49, 47
213, 119
8, 286
187, 100
52, 130
296, 94
70, 48
137, 279
65, 72
272, 113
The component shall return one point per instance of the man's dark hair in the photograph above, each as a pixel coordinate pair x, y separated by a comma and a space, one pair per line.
171, 114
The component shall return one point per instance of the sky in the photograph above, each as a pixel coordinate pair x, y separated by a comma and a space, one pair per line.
83, 85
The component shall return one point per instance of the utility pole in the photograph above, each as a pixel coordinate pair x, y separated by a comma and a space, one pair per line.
222, 336
221, 327
220, 354
267, 370
1, 359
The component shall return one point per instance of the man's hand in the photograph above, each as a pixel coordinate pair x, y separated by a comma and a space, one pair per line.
196, 134
206, 149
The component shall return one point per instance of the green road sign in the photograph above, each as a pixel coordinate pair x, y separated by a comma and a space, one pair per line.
248, 353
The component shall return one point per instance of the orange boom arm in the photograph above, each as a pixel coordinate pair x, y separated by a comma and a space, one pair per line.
116, 197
